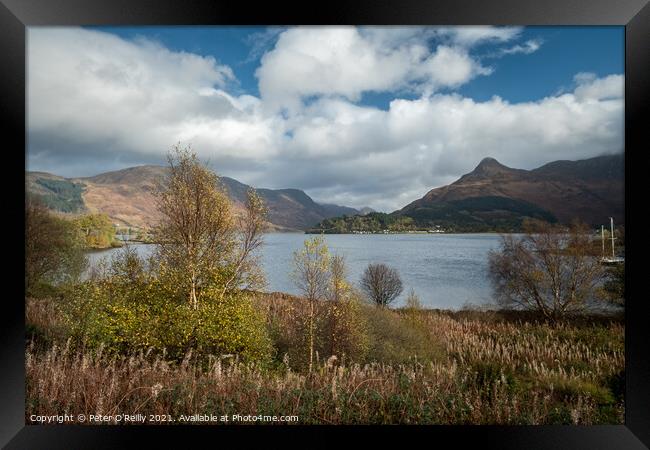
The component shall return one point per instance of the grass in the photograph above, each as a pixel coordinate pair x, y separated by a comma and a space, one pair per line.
419, 367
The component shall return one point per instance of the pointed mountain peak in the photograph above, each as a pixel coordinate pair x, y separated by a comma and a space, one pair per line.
490, 166
489, 162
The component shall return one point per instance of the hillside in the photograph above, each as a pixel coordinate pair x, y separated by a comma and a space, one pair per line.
126, 196
590, 190
494, 197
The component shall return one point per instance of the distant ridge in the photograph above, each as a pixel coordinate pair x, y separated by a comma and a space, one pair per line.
126, 196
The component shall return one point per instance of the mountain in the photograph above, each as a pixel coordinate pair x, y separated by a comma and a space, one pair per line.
591, 190
126, 196
494, 197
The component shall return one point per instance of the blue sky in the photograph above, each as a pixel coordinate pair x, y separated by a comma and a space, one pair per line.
565, 51
369, 116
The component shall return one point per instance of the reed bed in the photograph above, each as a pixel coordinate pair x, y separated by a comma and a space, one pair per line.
491, 372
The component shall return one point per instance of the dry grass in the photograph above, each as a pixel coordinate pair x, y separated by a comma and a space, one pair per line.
491, 371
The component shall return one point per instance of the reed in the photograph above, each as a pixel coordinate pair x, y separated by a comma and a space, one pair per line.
488, 371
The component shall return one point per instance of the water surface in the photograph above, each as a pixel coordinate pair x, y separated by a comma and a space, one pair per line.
446, 270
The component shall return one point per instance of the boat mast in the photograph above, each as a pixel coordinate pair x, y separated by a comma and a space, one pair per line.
612, 225
602, 233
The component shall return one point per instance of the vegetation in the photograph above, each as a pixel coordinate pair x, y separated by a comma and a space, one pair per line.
202, 247
374, 222
97, 231
549, 269
382, 284
186, 331
310, 274
614, 285
455, 368
472, 215
53, 249
130, 307
61, 195
333, 323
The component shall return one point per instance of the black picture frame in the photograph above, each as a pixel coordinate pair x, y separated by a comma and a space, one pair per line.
16, 15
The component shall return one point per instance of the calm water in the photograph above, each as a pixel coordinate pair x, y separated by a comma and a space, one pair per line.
445, 270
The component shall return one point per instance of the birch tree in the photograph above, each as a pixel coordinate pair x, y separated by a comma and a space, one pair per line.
201, 241
311, 276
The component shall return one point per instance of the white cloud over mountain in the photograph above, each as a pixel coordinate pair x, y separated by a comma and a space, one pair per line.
97, 102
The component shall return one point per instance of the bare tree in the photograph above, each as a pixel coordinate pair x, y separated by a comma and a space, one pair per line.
199, 239
382, 284
311, 276
244, 269
549, 269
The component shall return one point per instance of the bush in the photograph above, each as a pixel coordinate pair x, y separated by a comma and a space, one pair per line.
140, 314
395, 339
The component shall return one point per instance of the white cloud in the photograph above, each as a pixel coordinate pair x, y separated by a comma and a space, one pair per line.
528, 47
90, 88
97, 102
420, 144
473, 35
591, 87
344, 61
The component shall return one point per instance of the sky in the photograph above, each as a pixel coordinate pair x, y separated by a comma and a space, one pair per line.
358, 116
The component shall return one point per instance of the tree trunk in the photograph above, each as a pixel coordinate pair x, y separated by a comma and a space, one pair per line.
311, 334
193, 300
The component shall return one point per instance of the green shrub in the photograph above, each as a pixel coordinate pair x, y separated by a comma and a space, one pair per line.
139, 313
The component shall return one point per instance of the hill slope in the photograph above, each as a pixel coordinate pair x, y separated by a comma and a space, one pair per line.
590, 190
126, 196
494, 197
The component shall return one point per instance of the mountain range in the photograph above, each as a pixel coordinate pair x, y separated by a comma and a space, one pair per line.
494, 197
590, 190
489, 198
126, 196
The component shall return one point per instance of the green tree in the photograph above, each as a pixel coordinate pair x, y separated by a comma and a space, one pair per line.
97, 230
201, 242
53, 248
311, 276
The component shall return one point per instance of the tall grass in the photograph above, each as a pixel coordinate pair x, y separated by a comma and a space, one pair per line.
476, 369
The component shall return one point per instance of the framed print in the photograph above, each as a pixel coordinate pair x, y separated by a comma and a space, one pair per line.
388, 221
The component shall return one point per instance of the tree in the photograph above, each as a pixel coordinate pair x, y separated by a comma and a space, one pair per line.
243, 264
338, 294
201, 243
97, 230
311, 276
614, 286
339, 286
549, 269
382, 284
53, 247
